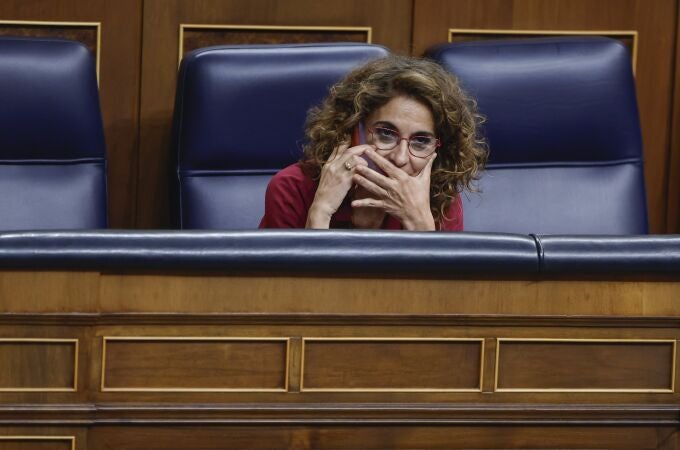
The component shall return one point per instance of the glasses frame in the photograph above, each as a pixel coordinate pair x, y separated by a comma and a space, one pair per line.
437, 142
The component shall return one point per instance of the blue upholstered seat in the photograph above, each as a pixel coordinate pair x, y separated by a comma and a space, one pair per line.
563, 132
52, 152
239, 117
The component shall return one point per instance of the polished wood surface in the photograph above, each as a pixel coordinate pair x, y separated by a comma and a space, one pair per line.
48, 437
35, 444
673, 217
367, 364
195, 37
562, 365
654, 75
671, 443
192, 363
86, 34
263, 362
370, 436
336, 295
20, 357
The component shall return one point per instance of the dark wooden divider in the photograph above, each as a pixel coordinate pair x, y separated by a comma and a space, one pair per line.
295, 340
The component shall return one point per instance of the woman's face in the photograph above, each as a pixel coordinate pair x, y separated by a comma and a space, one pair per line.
408, 117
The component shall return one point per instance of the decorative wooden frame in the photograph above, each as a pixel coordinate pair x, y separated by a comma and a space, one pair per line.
104, 388
606, 33
97, 25
187, 26
48, 341
390, 339
671, 390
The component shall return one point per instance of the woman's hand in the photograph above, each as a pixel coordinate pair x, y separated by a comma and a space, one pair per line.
365, 217
335, 183
404, 197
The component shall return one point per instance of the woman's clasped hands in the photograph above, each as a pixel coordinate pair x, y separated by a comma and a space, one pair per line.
403, 196
395, 192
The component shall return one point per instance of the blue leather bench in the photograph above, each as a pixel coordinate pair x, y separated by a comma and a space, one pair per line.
563, 133
52, 151
381, 253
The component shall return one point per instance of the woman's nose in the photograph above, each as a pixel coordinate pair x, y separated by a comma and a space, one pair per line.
399, 154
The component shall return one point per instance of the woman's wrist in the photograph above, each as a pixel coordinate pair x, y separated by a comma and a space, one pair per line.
318, 217
422, 222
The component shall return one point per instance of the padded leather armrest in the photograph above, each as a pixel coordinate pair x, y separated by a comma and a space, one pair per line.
391, 253
611, 255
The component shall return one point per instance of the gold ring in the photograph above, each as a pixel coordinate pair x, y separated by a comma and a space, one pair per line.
348, 165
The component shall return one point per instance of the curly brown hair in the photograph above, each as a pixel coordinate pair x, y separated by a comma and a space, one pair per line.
463, 152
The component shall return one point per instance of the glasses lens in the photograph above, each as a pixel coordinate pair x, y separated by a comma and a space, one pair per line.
384, 138
422, 145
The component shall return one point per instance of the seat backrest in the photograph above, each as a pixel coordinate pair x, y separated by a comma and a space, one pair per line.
239, 118
52, 151
563, 132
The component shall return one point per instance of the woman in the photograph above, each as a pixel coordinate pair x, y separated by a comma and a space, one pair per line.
421, 150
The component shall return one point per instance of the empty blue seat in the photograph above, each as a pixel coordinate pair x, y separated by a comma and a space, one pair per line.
563, 133
52, 151
239, 117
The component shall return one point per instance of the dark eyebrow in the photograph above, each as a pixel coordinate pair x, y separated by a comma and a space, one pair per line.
391, 126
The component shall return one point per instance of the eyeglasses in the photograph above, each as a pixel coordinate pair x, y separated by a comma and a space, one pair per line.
420, 146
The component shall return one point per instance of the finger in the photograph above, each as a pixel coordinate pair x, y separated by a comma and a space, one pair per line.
368, 203
390, 169
374, 176
352, 163
359, 149
358, 161
427, 170
342, 148
336, 151
370, 186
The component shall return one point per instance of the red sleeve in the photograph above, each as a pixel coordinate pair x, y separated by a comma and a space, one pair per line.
288, 198
453, 220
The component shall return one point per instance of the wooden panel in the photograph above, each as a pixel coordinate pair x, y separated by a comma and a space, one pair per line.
363, 435
192, 37
656, 29
582, 365
118, 81
325, 295
366, 364
87, 33
24, 291
160, 50
671, 443
629, 39
176, 364
673, 217
37, 443
38, 364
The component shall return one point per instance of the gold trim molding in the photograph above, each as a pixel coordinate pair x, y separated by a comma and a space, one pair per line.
391, 339
97, 25
48, 341
71, 439
670, 390
192, 26
106, 339
605, 33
